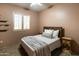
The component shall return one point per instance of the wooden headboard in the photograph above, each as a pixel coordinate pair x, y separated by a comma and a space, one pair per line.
61, 30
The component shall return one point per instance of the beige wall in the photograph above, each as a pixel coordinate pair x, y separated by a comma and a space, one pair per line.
64, 15
11, 37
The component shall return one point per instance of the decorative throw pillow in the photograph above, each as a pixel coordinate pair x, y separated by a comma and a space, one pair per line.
55, 34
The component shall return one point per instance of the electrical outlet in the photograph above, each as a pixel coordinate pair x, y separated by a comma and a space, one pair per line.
1, 41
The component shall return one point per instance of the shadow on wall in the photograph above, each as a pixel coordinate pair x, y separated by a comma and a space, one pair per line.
74, 47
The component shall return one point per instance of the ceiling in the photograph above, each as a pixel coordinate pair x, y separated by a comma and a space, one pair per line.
34, 8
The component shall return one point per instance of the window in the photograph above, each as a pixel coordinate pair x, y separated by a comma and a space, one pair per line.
21, 22
26, 22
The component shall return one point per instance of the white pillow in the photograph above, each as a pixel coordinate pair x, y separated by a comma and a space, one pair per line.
55, 34
47, 33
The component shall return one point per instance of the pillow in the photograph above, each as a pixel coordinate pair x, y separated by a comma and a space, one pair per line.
47, 33
55, 34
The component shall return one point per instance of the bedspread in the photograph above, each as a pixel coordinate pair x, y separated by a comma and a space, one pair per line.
40, 48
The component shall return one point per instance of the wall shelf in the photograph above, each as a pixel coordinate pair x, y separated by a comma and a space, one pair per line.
3, 21
3, 24
3, 30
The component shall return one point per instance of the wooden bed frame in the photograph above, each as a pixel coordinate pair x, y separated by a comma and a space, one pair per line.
61, 33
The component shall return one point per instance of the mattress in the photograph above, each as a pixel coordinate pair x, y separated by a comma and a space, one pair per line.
53, 43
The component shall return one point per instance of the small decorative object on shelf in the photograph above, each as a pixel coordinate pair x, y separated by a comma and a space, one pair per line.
66, 41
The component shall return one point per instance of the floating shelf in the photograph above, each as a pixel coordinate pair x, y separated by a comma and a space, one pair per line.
3, 30
3, 21
4, 24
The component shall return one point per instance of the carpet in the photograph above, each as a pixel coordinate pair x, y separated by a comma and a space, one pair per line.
16, 50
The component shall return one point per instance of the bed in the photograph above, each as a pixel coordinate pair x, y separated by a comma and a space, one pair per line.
45, 46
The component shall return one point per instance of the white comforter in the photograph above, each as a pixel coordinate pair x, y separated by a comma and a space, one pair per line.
41, 45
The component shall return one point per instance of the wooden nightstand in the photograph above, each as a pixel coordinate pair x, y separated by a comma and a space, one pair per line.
66, 43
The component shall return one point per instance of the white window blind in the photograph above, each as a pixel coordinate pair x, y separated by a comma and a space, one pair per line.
21, 22
17, 21
26, 22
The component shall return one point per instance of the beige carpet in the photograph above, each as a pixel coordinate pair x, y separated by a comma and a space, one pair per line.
10, 51
15, 51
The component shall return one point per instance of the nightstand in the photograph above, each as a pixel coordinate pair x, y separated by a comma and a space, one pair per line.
66, 43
